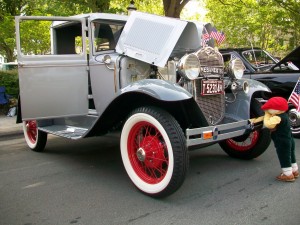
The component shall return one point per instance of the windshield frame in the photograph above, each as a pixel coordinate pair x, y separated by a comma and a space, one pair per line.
259, 58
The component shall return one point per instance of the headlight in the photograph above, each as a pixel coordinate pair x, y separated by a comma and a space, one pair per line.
189, 66
236, 69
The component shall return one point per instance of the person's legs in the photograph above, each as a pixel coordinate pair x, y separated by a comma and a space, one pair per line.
293, 155
293, 160
283, 153
284, 150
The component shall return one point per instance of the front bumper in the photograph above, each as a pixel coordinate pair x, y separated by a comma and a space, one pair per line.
204, 135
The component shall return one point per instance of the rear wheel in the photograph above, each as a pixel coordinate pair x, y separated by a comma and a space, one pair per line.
295, 131
250, 145
153, 151
35, 139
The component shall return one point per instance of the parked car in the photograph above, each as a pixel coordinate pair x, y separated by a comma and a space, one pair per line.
9, 66
145, 76
280, 76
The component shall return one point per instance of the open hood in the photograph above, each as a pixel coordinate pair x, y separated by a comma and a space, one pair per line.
293, 57
152, 39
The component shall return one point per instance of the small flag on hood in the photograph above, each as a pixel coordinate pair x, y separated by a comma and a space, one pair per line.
218, 36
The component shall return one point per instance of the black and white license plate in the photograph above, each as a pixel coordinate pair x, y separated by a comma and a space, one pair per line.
212, 87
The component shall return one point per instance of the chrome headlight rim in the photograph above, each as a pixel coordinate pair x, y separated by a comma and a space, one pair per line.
189, 66
236, 69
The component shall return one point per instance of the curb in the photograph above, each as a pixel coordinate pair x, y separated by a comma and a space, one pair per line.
9, 128
12, 134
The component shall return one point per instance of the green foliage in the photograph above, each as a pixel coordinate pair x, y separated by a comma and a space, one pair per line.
149, 6
7, 39
262, 23
10, 80
11, 8
35, 41
270, 24
69, 8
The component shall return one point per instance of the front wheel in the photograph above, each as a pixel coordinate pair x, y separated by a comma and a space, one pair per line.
35, 139
250, 145
153, 151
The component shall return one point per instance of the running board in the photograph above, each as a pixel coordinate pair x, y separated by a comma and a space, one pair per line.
65, 131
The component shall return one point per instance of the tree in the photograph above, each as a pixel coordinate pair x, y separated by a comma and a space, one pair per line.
72, 7
11, 8
8, 8
149, 6
170, 8
173, 8
262, 23
7, 40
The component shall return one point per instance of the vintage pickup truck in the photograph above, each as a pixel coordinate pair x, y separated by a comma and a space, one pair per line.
146, 76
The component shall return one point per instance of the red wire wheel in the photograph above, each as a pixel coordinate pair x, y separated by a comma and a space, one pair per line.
252, 145
31, 130
35, 139
246, 144
153, 151
147, 152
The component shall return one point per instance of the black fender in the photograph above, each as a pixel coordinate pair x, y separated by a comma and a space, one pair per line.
159, 89
185, 111
240, 107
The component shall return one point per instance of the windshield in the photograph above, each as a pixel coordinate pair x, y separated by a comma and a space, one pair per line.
106, 35
259, 58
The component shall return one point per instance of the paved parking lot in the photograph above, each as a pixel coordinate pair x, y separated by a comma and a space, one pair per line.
84, 182
9, 127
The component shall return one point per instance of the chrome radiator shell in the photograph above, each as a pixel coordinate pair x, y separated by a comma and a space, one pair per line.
212, 67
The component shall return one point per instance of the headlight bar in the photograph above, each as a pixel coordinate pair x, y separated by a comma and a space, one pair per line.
236, 69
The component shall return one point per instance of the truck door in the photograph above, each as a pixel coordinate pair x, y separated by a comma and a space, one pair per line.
53, 71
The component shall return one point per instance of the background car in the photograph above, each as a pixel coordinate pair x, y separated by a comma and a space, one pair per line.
280, 76
9, 66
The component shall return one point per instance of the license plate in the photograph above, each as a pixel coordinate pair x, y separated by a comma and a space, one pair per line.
212, 87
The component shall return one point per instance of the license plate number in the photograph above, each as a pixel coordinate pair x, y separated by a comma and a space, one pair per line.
212, 87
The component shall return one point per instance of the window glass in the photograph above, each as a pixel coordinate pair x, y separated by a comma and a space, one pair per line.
226, 58
106, 35
50, 37
258, 58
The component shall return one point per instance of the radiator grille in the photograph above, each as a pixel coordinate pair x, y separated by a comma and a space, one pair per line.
212, 66
212, 106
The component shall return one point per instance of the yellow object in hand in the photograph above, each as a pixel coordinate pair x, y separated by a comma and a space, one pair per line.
270, 121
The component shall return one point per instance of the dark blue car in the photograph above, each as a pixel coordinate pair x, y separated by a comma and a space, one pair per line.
280, 76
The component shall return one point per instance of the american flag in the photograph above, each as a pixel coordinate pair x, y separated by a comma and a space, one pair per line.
295, 96
214, 33
218, 36
205, 37
221, 37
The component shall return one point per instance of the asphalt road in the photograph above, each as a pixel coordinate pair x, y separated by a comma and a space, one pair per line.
84, 182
